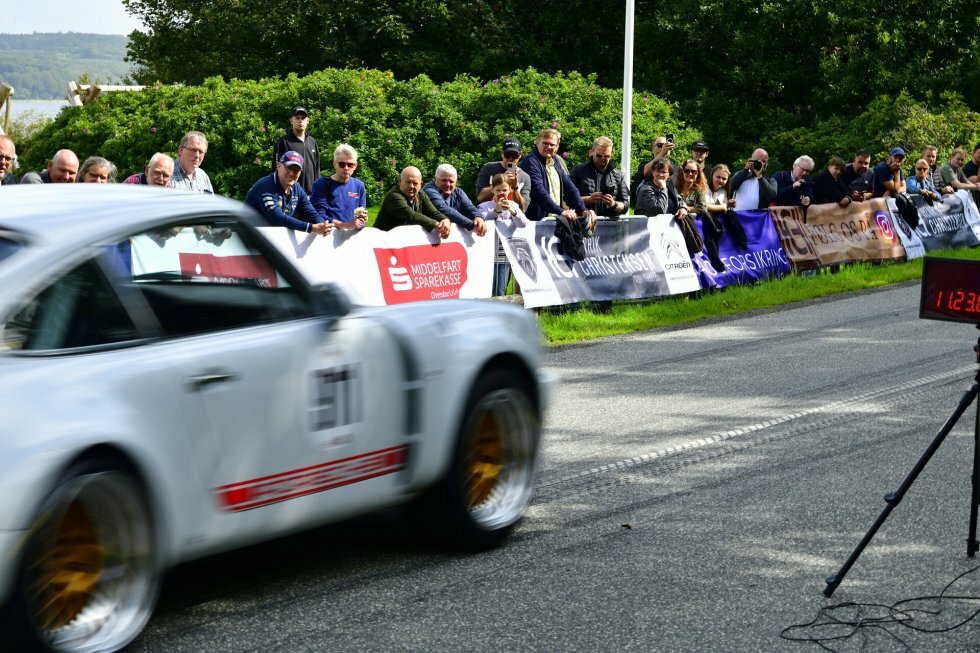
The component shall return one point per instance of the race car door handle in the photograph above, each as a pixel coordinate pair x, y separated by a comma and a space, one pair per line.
212, 377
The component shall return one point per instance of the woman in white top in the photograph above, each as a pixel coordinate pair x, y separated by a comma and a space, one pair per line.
501, 207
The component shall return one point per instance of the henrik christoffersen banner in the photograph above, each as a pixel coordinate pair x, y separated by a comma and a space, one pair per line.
949, 224
625, 259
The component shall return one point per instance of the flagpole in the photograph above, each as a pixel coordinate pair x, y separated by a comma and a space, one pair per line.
627, 140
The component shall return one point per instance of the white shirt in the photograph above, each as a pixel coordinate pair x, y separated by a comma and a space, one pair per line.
747, 195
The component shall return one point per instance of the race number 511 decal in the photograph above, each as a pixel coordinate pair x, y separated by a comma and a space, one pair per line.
337, 405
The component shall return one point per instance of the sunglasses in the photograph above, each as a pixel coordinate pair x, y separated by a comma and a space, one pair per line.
688, 171
922, 168
345, 164
511, 155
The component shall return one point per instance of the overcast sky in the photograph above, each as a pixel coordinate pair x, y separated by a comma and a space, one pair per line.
90, 16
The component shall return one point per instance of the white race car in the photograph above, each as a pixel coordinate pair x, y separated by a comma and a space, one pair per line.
171, 386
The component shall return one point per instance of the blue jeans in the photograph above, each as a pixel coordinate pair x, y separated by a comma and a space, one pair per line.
501, 275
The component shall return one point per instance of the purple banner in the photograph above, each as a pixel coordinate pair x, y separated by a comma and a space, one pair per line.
762, 258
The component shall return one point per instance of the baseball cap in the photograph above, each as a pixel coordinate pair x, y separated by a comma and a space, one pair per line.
512, 145
291, 158
700, 145
298, 110
897, 151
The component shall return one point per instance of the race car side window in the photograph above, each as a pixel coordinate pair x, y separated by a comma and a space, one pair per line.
80, 309
200, 278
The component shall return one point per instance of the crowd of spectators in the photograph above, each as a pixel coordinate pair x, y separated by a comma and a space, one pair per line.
299, 195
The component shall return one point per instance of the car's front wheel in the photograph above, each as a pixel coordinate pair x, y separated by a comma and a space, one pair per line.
88, 576
491, 476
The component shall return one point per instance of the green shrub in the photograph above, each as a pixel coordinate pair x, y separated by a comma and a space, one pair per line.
391, 123
885, 123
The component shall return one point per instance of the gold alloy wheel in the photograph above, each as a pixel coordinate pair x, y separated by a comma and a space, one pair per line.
484, 460
89, 571
67, 570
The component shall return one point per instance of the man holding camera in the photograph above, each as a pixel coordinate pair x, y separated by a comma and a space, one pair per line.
520, 183
602, 187
662, 147
752, 189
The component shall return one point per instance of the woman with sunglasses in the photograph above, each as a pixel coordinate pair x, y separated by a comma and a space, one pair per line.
656, 195
921, 184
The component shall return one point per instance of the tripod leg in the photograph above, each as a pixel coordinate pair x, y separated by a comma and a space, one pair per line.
971, 542
895, 497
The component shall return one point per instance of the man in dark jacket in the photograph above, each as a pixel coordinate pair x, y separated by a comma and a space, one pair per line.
792, 186
602, 187
752, 189
552, 189
405, 204
297, 140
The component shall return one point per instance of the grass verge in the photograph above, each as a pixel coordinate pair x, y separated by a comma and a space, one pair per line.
585, 324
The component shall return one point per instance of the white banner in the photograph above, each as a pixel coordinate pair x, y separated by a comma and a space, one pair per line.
628, 258
405, 264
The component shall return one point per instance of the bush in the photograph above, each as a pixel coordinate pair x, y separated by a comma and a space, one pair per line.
885, 123
391, 123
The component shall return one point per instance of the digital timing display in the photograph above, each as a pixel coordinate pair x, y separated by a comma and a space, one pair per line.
950, 290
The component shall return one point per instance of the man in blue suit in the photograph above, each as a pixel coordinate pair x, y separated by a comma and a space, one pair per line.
552, 190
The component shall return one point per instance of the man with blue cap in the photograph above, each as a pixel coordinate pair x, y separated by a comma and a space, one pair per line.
283, 202
889, 180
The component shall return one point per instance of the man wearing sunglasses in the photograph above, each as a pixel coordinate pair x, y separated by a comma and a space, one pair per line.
520, 182
602, 187
340, 198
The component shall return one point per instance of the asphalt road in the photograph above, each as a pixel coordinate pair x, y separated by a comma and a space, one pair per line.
696, 487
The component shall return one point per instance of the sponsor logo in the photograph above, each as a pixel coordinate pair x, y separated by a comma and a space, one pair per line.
522, 252
671, 247
886, 226
266, 490
419, 272
229, 269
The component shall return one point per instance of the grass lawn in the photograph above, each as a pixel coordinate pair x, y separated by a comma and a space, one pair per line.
669, 311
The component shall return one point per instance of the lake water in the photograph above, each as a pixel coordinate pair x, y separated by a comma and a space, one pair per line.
45, 108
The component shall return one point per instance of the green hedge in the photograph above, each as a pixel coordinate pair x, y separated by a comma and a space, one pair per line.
391, 123
885, 123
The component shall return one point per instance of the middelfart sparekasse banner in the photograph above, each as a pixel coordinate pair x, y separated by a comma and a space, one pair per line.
406, 264
624, 259
830, 234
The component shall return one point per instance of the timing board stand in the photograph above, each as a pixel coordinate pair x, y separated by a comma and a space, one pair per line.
893, 499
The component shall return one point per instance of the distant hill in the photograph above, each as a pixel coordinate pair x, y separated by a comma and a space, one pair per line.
39, 65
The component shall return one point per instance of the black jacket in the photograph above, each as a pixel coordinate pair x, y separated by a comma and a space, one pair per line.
588, 179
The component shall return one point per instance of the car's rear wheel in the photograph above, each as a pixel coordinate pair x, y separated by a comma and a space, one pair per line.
491, 476
88, 574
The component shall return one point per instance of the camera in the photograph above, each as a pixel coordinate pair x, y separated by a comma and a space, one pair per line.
756, 164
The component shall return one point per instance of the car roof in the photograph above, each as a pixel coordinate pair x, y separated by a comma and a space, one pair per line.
57, 214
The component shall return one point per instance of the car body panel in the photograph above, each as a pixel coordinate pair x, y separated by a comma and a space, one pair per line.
239, 434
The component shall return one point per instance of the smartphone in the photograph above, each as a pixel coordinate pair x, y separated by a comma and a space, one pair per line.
670, 138
609, 189
511, 165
